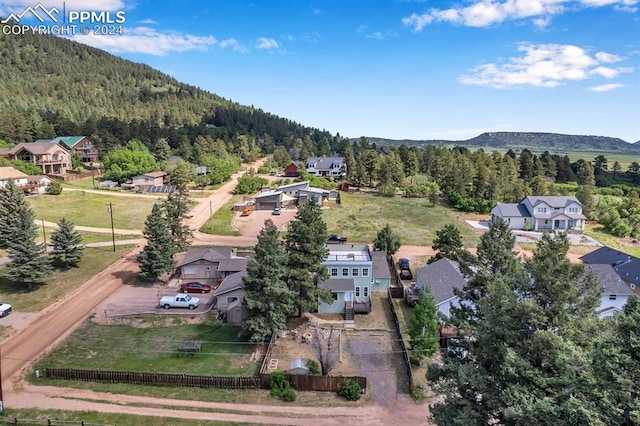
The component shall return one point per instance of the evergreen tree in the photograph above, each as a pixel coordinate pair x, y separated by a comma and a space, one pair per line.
176, 207
306, 250
387, 241
65, 241
10, 199
268, 300
28, 264
423, 327
157, 256
527, 362
448, 242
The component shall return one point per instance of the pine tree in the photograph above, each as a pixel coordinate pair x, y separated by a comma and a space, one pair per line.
387, 241
176, 207
10, 199
268, 300
306, 250
28, 262
157, 256
423, 327
448, 242
65, 242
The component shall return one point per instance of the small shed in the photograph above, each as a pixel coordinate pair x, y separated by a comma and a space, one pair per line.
298, 366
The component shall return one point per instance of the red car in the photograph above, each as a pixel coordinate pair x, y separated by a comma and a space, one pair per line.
194, 288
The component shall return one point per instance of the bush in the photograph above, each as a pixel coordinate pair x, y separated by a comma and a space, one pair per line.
288, 395
313, 367
278, 383
350, 390
55, 188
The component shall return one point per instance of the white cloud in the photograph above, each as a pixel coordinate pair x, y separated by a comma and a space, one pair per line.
484, 13
544, 65
316, 11
148, 22
361, 28
233, 44
266, 43
147, 40
606, 87
377, 35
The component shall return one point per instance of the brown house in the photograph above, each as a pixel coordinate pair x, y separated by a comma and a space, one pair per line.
150, 179
81, 146
228, 298
53, 158
211, 265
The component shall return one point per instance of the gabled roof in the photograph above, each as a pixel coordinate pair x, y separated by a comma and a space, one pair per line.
11, 173
609, 279
233, 264
293, 185
231, 283
38, 178
268, 194
69, 141
442, 276
325, 162
36, 148
380, 265
512, 210
337, 284
558, 201
4, 151
155, 174
626, 266
207, 253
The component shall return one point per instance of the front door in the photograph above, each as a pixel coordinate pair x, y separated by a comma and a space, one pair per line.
556, 224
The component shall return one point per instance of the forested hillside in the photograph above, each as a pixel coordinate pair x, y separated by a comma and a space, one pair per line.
533, 141
52, 86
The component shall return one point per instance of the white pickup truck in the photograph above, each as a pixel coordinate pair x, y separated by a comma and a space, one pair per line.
5, 309
179, 301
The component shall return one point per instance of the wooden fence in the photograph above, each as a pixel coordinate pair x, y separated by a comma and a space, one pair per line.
75, 176
46, 422
403, 346
298, 382
220, 382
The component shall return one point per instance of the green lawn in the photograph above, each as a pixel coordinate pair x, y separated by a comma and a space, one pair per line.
415, 219
221, 222
154, 349
87, 209
84, 183
58, 284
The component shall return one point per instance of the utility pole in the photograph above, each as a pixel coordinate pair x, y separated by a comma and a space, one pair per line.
113, 233
210, 216
1, 397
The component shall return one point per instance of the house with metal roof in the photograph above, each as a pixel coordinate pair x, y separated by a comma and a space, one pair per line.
537, 213
81, 146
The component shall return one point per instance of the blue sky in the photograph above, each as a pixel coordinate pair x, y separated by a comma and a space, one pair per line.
419, 69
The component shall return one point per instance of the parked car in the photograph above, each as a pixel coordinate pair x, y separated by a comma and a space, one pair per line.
195, 288
5, 309
276, 211
179, 301
404, 263
336, 239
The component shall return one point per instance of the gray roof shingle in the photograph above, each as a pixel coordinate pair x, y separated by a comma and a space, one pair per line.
626, 266
608, 278
442, 276
337, 284
380, 265
512, 210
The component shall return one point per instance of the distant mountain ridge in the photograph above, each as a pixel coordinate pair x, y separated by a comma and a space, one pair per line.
534, 141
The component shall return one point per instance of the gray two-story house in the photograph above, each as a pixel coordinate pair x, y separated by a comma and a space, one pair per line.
538, 213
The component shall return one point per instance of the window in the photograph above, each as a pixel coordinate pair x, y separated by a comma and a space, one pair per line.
541, 210
355, 272
345, 272
357, 291
231, 299
365, 291
573, 210
334, 272
365, 272
189, 270
612, 297
335, 296
206, 268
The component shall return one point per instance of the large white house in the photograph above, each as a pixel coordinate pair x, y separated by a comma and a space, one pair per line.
326, 166
537, 213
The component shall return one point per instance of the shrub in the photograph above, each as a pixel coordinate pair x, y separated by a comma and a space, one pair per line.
55, 188
278, 383
350, 390
313, 367
288, 395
